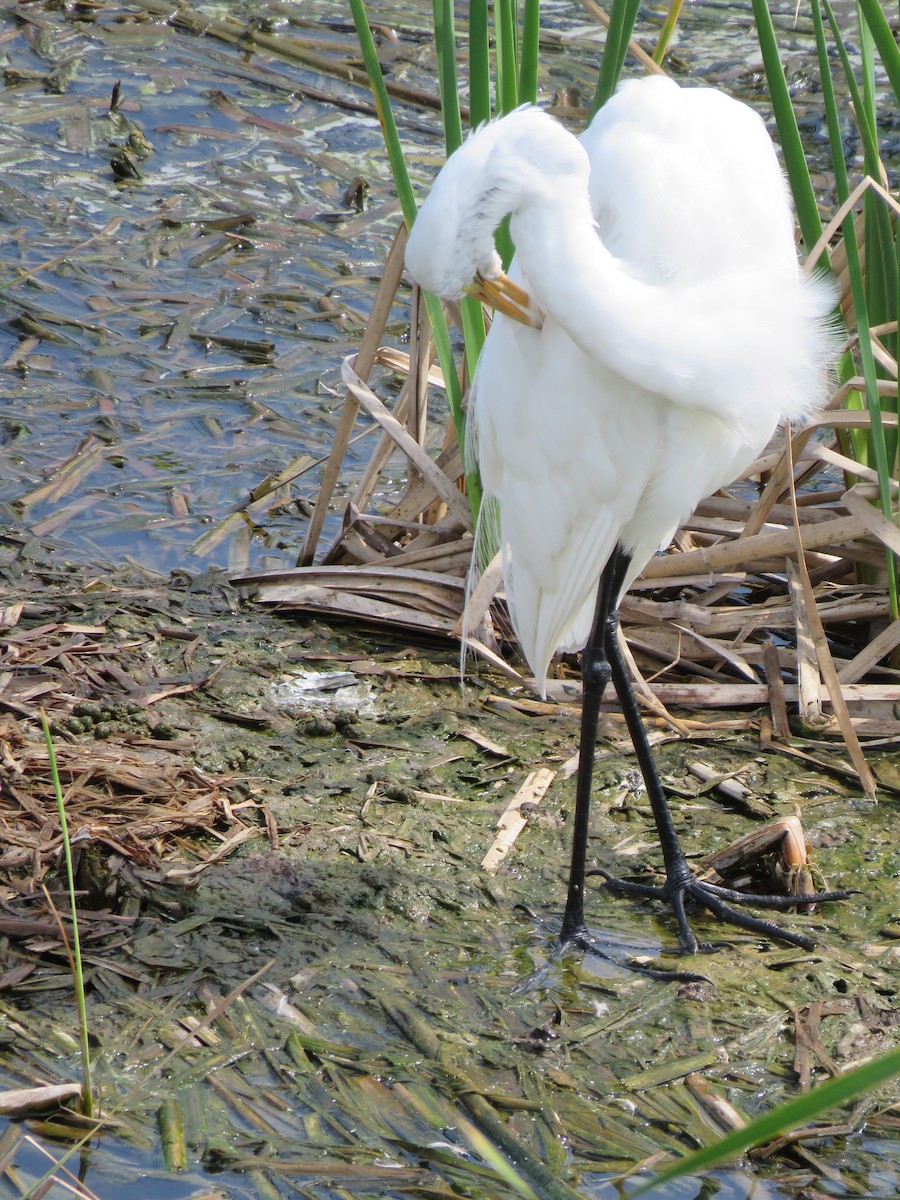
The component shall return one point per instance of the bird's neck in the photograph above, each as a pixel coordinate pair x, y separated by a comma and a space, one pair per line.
615, 318
740, 343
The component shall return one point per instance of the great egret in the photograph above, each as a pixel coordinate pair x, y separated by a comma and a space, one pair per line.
676, 331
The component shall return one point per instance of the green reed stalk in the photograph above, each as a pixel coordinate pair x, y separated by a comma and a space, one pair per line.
668, 29
445, 40
479, 64
529, 52
788, 133
872, 296
881, 283
875, 290
618, 35
407, 199
872, 13
507, 64
515, 72
506, 76
858, 437
87, 1093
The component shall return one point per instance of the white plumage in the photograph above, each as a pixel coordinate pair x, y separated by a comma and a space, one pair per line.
677, 329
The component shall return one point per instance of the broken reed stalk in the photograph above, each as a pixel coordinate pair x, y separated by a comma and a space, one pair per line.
823, 652
365, 358
87, 1094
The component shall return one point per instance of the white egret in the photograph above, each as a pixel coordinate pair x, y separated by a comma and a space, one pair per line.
676, 331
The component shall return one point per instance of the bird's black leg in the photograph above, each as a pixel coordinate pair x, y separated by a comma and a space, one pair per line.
596, 672
601, 661
595, 675
682, 886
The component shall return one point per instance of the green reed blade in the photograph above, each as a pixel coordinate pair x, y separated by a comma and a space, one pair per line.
881, 274
529, 52
884, 39
788, 134
667, 31
790, 1115
479, 64
408, 206
618, 35
385, 115
507, 58
445, 41
875, 442
87, 1094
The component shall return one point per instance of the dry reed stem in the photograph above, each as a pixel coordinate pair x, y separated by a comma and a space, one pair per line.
823, 655
444, 488
365, 357
634, 47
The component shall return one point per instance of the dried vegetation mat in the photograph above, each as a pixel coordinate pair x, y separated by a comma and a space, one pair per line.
772, 595
140, 813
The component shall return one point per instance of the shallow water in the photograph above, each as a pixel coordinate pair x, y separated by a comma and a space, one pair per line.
157, 373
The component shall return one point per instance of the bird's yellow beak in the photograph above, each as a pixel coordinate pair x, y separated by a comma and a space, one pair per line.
506, 297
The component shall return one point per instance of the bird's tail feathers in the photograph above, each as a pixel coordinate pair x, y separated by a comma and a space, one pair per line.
814, 376
832, 331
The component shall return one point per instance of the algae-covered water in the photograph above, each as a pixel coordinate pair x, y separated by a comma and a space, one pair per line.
301, 980
325, 994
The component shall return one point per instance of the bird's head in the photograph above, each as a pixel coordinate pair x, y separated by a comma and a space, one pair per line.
523, 158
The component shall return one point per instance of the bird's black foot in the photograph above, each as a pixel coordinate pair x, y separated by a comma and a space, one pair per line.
574, 935
580, 939
688, 891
